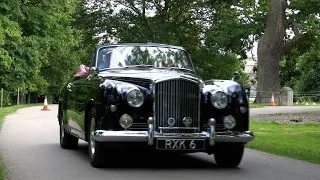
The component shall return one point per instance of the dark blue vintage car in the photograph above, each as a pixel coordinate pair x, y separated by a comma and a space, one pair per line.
148, 96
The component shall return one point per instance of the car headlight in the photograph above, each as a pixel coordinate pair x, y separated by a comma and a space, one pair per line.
219, 99
135, 98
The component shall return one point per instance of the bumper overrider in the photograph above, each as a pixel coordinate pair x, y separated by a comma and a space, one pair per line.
150, 136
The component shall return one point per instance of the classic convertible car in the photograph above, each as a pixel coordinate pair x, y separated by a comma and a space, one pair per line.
148, 96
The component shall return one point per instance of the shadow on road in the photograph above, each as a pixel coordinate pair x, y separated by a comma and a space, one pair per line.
151, 160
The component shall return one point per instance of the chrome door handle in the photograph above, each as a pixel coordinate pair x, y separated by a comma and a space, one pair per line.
69, 86
89, 77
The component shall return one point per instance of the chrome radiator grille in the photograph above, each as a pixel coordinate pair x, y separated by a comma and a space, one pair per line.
176, 100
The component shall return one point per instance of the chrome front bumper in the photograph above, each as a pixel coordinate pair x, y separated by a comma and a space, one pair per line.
150, 135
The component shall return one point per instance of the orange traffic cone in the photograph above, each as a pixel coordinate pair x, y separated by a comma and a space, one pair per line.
45, 105
272, 100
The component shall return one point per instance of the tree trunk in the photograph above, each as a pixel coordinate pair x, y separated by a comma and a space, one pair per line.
270, 48
29, 97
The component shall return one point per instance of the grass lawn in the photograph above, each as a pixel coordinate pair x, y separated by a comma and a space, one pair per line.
4, 112
299, 141
254, 105
310, 104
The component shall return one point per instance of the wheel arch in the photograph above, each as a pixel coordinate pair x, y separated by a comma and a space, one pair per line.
59, 110
89, 106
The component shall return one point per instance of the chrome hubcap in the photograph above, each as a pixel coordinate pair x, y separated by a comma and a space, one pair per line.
92, 141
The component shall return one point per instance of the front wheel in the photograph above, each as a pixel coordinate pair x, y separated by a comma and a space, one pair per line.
95, 148
229, 154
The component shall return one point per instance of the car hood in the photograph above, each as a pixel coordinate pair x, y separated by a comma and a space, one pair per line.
152, 74
143, 78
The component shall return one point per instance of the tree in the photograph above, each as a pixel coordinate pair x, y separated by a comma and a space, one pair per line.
40, 49
270, 50
275, 42
10, 39
199, 26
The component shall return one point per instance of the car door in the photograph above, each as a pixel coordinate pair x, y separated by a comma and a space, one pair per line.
75, 104
80, 95
83, 94
71, 106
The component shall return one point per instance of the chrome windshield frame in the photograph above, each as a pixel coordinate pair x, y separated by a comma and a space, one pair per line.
146, 45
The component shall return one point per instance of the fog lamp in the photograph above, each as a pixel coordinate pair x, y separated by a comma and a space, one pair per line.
229, 122
126, 121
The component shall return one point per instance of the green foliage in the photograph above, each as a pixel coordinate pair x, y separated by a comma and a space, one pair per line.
310, 82
10, 39
308, 63
84, 25
172, 23
203, 27
211, 64
289, 72
42, 42
39, 49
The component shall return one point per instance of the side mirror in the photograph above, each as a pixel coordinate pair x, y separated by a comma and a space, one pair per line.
234, 74
82, 70
93, 69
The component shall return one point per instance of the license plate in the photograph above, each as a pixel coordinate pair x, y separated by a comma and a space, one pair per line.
180, 144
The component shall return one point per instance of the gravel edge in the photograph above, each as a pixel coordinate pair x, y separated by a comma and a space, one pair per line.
288, 118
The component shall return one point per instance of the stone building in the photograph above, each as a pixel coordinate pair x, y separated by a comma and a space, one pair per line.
250, 69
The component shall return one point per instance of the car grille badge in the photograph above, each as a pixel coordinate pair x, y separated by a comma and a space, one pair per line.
187, 121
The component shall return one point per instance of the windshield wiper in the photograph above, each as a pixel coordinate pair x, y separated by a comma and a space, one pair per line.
127, 67
184, 69
141, 65
149, 66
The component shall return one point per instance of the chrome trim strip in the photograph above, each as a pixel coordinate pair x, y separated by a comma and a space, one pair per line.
178, 77
142, 136
97, 49
150, 131
243, 137
199, 106
211, 123
120, 136
194, 128
154, 105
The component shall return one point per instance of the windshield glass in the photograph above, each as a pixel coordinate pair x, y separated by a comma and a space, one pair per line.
130, 56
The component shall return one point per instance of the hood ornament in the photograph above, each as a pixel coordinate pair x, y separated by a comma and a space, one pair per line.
187, 121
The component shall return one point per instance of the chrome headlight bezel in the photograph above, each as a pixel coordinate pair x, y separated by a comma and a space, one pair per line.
134, 92
216, 98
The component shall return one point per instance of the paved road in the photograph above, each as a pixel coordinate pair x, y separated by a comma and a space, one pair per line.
29, 144
283, 109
